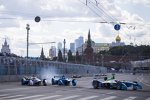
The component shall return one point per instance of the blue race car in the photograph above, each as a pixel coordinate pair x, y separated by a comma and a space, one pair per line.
110, 83
62, 80
33, 81
124, 85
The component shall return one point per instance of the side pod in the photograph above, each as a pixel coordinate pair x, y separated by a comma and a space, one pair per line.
123, 86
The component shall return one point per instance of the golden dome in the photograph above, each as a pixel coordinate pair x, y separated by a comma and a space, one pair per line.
118, 38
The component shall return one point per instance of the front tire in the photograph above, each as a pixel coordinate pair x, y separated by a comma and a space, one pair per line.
95, 84
74, 82
118, 87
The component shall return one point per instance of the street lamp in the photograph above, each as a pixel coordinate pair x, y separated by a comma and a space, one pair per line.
64, 48
102, 59
28, 28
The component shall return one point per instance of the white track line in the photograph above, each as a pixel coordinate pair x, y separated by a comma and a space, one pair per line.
68, 98
87, 98
13, 96
140, 78
17, 89
27, 97
129, 98
109, 98
148, 98
47, 97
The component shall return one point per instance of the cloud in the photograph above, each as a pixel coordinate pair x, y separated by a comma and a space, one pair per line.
46, 8
2, 8
63, 11
143, 2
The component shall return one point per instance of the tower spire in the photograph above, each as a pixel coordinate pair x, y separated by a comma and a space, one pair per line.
89, 39
42, 56
5, 43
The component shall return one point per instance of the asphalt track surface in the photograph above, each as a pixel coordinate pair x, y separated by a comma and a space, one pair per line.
83, 91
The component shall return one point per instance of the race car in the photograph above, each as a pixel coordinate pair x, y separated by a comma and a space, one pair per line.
76, 76
33, 81
115, 84
62, 80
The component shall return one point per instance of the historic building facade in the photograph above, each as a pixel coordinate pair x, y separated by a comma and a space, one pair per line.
5, 48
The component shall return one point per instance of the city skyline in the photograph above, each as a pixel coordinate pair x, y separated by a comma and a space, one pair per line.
13, 20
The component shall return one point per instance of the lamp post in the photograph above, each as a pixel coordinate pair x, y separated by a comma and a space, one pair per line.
102, 59
82, 54
64, 49
28, 28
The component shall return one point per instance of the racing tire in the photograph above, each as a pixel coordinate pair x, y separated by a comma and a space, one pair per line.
30, 83
134, 88
53, 83
60, 82
95, 84
118, 87
108, 86
74, 82
23, 81
68, 83
44, 82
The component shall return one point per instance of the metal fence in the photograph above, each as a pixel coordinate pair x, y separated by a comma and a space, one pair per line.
22, 66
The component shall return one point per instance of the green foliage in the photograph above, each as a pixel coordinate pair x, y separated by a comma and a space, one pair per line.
42, 56
78, 58
118, 50
60, 58
54, 59
142, 50
70, 57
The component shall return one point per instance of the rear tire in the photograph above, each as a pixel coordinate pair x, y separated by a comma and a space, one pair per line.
44, 82
119, 85
134, 88
53, 83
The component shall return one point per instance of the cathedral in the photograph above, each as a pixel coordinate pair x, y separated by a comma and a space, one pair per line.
118, 42
5, 48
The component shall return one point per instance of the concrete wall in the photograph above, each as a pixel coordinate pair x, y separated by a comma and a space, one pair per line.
12, 69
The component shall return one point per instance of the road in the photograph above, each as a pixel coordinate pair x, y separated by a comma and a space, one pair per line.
83, 91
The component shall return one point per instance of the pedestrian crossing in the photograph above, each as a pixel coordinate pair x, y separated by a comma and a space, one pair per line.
65, 97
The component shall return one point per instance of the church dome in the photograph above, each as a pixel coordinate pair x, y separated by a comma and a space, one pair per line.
118, 38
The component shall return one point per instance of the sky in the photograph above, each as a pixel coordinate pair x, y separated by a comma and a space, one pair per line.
69, 19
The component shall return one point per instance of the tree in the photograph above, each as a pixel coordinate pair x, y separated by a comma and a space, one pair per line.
42, 56
118, 51
78, 58
54, 59
60, 58
70, 57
